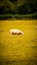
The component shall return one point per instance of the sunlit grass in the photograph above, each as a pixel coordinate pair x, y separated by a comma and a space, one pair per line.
18, 47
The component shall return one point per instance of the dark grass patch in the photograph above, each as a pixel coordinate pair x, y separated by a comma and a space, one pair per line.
20, 62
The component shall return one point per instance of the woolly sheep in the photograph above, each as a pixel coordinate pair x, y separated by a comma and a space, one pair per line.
16, 32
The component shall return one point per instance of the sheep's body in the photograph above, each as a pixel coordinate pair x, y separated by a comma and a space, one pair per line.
16, 32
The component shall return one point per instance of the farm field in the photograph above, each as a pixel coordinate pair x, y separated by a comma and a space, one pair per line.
18, 49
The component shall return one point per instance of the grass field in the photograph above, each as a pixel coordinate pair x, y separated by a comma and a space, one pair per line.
18, 47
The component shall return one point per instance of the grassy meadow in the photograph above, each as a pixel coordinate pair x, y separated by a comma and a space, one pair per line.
18, 48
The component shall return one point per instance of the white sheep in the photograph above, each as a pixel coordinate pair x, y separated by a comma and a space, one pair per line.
16, 32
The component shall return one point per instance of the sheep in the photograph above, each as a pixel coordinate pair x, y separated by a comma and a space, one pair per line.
16, 32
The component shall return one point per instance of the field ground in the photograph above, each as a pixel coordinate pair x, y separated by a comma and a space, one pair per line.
18, 48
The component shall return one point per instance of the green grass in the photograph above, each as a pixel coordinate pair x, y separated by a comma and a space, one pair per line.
18, 47
17, 16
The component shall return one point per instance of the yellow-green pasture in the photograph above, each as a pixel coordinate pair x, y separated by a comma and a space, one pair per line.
18, 47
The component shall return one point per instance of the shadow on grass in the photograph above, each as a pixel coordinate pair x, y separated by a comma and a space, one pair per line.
20, 62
